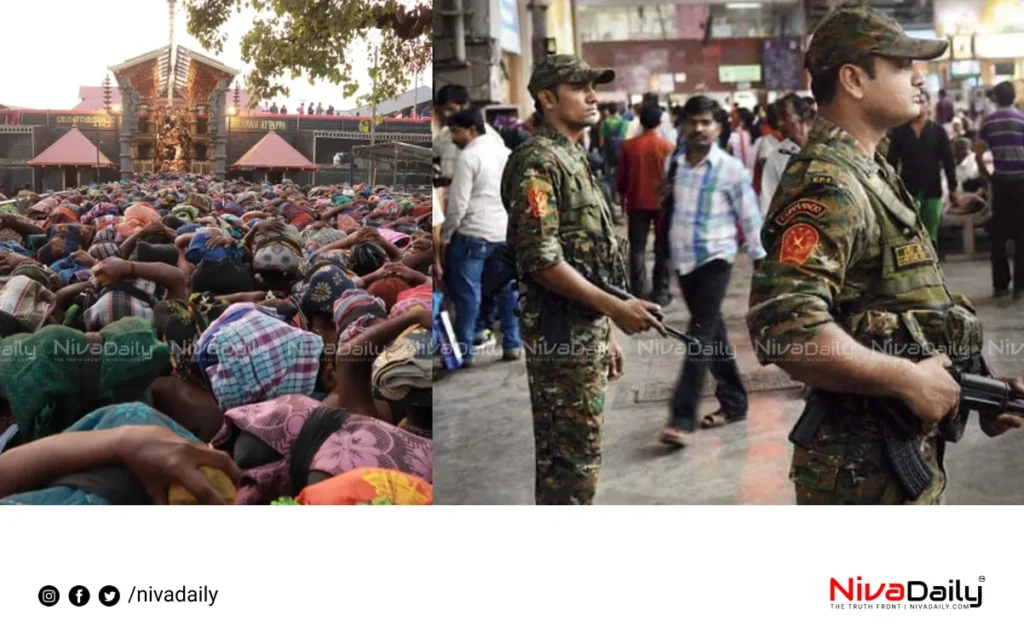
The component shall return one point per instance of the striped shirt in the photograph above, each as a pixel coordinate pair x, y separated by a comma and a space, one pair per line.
1003, 132
711, 197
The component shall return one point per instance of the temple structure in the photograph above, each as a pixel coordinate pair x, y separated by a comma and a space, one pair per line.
176, 110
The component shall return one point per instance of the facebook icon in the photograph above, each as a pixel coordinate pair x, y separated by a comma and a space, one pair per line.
79, 596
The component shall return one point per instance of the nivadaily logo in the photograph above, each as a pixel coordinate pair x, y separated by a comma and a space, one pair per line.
913, 594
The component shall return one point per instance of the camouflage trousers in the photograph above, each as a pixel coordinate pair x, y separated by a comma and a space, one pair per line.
567, 385
847, 465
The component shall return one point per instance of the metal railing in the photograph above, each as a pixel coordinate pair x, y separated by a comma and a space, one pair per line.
407, 137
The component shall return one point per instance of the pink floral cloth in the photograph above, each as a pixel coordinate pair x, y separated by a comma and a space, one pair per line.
361, 441
365, 441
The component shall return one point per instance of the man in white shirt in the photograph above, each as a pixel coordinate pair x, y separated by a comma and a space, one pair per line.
449, 100
968, 176
475, 228
795, 118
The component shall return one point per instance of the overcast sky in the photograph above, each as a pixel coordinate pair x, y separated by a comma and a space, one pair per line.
54, 46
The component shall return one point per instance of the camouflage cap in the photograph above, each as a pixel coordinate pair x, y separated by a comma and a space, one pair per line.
566, 69
852, 32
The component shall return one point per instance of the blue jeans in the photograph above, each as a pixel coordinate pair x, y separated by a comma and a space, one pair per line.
436, 308
469, 261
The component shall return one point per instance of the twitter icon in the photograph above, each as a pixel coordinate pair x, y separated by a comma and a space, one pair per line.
109, 596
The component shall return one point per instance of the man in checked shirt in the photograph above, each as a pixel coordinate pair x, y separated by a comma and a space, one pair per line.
710, 193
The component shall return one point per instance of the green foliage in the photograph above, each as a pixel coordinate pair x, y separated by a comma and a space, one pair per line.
321, 38
285, 501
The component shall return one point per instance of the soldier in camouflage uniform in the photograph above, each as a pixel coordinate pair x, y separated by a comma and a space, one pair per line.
850, 299
561, 234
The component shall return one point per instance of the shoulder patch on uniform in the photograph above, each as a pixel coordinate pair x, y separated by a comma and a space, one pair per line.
538, 202
803, 205
822, 179
822, 168
910, 255
797, 243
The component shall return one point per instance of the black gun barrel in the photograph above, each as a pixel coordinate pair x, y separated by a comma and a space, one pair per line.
619, 293
985, 394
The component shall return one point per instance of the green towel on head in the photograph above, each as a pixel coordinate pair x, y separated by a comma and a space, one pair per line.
49, 386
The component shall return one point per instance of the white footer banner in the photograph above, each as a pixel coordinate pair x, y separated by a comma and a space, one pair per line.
510, 568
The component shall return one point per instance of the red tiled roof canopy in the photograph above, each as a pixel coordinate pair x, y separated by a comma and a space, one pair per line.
273, 152
71, 150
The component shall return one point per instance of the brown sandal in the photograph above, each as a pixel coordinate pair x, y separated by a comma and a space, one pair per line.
719, 418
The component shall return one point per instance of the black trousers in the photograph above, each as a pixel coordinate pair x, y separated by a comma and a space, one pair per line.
640, 223
1007, 224
703, 291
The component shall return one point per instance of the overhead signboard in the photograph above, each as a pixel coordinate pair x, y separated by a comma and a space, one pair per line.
739, 74
1000, 46
965, 68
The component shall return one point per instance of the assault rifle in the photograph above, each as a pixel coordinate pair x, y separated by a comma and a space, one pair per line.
901, 428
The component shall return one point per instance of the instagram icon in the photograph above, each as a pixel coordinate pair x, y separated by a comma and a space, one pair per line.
49, 596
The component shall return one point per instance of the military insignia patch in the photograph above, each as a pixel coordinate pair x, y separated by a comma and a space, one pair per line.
805, 206
538, 202
820, 179
910, 255
797, 243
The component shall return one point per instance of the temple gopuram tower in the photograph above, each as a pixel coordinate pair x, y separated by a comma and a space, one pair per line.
174, 108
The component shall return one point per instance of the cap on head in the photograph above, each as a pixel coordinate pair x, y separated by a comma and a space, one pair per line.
852, 32
566, 69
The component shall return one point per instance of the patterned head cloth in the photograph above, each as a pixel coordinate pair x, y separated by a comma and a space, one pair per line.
406, 364
369, 486
106, 234
103, 250
249, 356
26, 300
849, 33
10, 235
324, 285
357, 310
421, 296
278, 254
278, 442
323, 236
566, 69
347, 224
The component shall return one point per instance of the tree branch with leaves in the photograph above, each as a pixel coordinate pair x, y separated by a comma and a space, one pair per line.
321, 38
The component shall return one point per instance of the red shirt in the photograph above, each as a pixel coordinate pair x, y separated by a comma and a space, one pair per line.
641, 172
